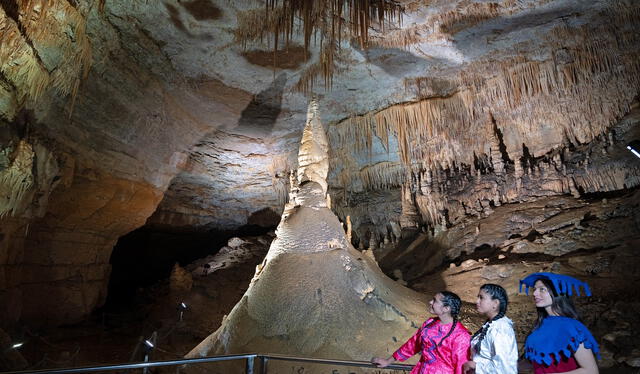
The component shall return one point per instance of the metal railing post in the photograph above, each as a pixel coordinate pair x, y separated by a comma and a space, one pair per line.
263, 364
250, 361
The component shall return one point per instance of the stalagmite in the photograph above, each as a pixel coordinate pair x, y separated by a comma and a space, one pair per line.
316, 295
373, 243
496, 157
313, 159
410, 216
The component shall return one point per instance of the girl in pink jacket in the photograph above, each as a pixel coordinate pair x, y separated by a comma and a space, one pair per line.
442, 341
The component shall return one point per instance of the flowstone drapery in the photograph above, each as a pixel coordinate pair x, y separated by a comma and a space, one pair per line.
315, 295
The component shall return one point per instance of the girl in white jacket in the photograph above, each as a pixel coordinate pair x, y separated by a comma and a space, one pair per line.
493, 347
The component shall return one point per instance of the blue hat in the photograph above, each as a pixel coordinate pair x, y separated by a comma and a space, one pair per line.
563, 284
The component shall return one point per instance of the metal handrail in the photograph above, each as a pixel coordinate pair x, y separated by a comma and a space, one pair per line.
264, 358
335, 362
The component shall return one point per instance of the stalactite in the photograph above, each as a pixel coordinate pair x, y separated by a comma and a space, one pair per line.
465, 16
40, 19
258, 25
279, 169
324, 21
401, 38
583, 96
43, 24
609, 179
19, 62
16, 180
325, 67
383, 175
457, 127
410, 217
349, 229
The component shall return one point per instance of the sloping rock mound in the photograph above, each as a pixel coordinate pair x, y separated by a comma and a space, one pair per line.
315, 295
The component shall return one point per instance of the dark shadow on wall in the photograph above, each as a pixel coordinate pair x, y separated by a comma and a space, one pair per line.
198, 11
291, 57
202, 10
259, 117
394, 61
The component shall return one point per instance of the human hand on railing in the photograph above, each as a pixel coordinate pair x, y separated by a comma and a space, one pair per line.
381, 362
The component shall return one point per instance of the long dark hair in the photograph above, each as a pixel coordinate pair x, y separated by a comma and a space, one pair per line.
497, 293
454, 303
561, 304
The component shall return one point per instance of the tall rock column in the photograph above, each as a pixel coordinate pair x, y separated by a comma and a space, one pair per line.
314, 294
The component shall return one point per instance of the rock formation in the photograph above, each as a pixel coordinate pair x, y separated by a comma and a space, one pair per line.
315, 295
455, 129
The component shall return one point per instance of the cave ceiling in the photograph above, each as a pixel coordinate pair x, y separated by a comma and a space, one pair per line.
116, 114
166, 94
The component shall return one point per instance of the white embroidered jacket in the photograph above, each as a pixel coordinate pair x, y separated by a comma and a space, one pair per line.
498, 350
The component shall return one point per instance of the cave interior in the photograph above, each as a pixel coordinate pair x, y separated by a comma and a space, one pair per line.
263, 161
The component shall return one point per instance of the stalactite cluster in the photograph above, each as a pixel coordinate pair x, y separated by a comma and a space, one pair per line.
457, 151
377, 176
464, 15
30, 30
582, 97
327, 22
16, 180
400, 38
439, 198
20, 66
279, 169
468, 193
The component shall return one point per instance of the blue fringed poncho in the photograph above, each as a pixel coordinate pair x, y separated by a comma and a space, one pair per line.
557, 335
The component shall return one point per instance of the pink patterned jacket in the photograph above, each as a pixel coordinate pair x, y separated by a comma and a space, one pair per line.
445, 359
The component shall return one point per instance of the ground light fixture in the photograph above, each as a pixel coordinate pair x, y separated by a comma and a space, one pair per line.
182, 307
11, 347
148, 347
634, 147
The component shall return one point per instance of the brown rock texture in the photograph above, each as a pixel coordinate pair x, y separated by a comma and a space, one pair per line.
59, 264
469, 130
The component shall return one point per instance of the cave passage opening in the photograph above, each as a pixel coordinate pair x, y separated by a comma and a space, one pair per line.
147, 255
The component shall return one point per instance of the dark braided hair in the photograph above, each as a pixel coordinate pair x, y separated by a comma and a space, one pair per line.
497, 293
453, 301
